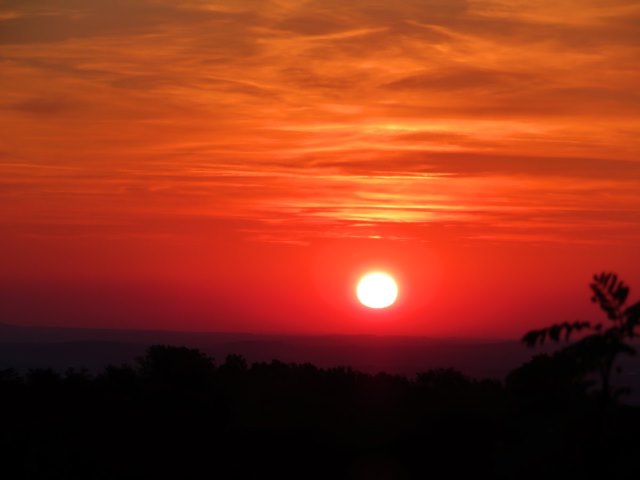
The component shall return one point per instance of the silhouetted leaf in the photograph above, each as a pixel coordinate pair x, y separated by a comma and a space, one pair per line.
610, 294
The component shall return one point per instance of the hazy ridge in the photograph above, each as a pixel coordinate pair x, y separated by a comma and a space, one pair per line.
60, 347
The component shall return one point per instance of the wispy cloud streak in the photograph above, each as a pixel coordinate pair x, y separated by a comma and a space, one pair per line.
295, 120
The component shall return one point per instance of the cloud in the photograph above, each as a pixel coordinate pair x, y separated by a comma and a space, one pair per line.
59, 20
326, 114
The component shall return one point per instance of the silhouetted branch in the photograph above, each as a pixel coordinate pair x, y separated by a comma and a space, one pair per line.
598, 351
609, 293
554, 332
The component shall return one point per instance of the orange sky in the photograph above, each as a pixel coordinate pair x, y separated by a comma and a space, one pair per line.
236, 164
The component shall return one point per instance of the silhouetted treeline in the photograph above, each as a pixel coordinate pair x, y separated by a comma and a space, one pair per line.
178, 414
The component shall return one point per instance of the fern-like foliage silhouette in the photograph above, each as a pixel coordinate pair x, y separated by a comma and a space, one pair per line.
599, 350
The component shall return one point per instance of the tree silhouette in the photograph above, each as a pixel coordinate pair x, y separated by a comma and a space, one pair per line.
598, 351
176, 366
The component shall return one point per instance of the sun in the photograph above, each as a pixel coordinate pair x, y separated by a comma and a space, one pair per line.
377, 290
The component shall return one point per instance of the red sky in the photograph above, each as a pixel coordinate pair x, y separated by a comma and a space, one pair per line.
235, 165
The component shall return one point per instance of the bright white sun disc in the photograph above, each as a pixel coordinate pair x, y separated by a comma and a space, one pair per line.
377, 290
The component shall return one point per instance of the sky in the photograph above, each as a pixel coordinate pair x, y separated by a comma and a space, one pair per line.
236, 165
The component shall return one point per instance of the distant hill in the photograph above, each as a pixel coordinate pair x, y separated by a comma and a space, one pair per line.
61, 348
58, 347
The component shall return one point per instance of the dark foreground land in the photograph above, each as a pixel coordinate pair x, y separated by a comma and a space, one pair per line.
177, 414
